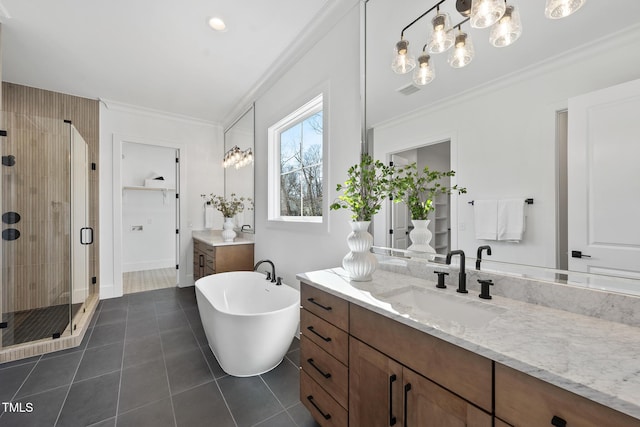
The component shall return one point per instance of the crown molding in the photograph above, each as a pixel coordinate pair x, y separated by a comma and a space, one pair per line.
150, 112
320, 25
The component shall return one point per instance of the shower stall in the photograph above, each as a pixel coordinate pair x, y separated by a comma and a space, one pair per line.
44, 258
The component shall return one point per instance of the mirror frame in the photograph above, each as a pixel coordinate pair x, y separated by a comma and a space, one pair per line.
227, 191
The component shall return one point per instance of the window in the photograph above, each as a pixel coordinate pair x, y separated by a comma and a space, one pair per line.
295, 170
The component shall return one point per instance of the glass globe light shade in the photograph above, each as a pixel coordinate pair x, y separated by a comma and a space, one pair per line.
403, 62
425, 72
462, 53
556, 9
507, 30
485, 13
442, 36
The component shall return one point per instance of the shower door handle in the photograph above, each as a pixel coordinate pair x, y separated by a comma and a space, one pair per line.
86, 235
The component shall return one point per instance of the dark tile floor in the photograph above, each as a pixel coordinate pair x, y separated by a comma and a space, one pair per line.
145, 362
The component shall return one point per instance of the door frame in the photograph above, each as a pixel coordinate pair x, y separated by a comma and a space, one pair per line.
181, 190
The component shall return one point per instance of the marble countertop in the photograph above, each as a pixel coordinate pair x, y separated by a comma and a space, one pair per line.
594, 358
213, 238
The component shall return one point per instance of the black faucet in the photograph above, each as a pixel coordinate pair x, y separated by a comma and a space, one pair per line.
271, 276
462, 277
479, 257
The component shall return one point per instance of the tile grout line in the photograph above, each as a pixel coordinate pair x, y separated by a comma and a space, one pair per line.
124, 346
166, 371
64, 401
224, 399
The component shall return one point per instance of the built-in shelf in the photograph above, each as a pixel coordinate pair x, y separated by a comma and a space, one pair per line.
142, 188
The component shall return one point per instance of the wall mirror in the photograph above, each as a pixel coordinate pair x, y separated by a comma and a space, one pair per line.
238, 177
504, 117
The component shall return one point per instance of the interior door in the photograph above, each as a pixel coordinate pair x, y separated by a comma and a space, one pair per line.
399, 215
604, 181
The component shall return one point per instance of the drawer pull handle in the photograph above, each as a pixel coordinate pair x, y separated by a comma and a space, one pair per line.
201, 260
392, 419
326, 339
326, 416
324, 307
324, 374
558, 422
407, 388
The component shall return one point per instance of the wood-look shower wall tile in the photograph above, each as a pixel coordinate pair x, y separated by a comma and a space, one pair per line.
29, 111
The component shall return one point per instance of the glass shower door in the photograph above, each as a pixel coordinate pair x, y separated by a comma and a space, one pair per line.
36, 208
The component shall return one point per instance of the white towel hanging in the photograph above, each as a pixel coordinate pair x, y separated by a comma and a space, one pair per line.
485, 214
511, 222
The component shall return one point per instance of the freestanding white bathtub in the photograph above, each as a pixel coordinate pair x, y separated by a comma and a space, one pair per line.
249, 321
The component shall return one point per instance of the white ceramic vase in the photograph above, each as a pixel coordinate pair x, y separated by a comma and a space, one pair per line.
227, 230
360, 263
421, 237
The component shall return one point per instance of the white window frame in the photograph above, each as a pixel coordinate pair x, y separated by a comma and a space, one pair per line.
310, 108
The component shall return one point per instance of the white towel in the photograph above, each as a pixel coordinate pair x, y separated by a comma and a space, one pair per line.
511, 219
209, 212
485, 214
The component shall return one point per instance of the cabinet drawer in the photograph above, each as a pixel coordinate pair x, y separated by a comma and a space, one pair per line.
332, 375
324, 409
329, 307
325, 335
461, 371
522, 400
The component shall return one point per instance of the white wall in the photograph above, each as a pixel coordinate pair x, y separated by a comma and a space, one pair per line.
332, 64
148, 217
201, 151
503, 142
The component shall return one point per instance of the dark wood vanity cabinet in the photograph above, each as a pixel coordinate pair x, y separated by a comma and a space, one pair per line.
324, 356
385, 393
209, 259
360, 368
522, 400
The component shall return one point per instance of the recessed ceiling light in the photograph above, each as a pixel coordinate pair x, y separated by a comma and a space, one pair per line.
217, 24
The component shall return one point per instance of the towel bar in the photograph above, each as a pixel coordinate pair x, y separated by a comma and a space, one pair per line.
527, 201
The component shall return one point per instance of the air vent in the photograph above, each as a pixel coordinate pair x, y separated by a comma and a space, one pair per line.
408, 89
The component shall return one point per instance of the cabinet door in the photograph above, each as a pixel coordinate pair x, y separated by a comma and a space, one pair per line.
427, 404
375, 385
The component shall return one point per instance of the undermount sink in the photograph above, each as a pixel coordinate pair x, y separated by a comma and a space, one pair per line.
451, 308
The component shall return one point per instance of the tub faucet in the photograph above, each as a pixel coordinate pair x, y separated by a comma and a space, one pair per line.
462, 277
479, 257
272, 276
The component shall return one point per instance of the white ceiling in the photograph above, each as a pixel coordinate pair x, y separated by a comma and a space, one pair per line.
156, 54
541, 40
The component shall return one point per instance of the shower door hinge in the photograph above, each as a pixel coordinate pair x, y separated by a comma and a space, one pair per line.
4, 325
177, 231
177, 196
94, 280
68, 121
3, 132
391, 231
177, 267
56, 335
93, 166
177, 160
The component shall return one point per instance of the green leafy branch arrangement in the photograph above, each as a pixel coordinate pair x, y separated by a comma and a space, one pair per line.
229, 207
418, 189
368, 184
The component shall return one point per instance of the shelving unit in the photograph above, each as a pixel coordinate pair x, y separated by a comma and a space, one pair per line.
441, 228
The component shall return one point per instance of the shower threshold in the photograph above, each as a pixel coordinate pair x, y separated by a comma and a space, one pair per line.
36, 324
